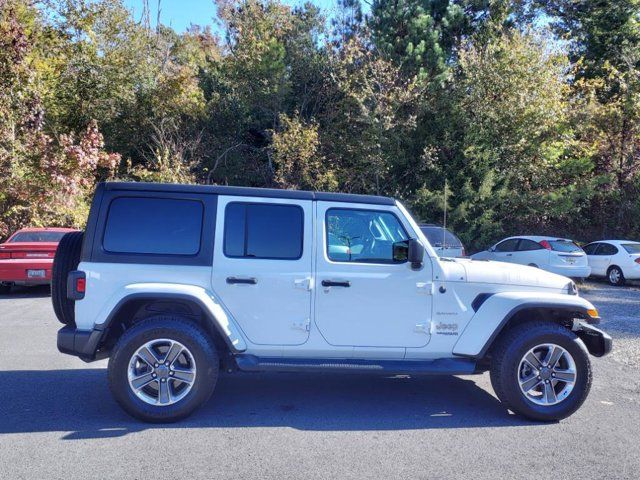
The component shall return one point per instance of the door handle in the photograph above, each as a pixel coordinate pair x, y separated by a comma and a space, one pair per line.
242, 281
336, 283
509, 254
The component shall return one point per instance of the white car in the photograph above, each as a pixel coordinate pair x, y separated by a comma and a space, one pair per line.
618, 260
558, 255
176, 283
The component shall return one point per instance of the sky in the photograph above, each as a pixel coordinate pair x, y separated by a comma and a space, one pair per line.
179, 14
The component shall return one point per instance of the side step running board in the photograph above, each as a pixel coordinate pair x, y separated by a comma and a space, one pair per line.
442, 366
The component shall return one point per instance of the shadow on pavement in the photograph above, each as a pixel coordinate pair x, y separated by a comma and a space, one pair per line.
39, 291
79, 402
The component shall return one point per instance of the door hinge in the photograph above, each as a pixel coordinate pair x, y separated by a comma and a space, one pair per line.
304, 325
422, 328
303, 283
425, 287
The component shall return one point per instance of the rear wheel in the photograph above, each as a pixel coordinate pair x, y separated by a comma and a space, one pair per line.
541, 370
615, 276
4, 289
67, 259
163, 369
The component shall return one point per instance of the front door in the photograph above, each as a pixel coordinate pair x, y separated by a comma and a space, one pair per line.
262, 267
363, 297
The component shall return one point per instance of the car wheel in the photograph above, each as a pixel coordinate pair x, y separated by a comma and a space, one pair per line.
533, 265
541, 370
615, 276
4, 289
162, 369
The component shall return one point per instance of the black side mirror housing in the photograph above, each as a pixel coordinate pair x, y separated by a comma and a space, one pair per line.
416, 253
410, 251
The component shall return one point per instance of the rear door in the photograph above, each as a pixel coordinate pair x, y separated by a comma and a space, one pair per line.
262, 266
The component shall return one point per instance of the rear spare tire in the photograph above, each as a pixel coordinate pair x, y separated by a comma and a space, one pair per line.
66, 260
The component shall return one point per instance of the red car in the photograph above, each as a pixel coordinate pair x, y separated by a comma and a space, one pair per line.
26, 257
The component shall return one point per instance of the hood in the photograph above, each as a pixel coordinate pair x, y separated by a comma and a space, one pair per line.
487, 271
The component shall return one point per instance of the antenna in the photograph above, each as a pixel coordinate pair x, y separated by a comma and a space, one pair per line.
444, 223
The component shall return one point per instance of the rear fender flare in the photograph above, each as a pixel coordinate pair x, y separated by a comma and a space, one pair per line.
213, 309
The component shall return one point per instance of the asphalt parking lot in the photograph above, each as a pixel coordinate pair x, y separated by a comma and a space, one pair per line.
58, 420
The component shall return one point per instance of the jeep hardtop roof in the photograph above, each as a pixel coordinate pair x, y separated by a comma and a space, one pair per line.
247, 192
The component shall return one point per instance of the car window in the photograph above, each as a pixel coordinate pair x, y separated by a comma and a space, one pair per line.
566, 246
631, 247
528, 245
507, 245
607, 249
260, 230
440, 237
160, 226
364, 236
37, 237
591, 248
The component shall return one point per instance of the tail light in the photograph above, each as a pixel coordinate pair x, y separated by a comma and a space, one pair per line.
545, 244
4, 255
76, 285
637, 260
464, 252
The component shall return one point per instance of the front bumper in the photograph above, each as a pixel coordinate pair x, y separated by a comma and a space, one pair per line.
80, 343
597, 342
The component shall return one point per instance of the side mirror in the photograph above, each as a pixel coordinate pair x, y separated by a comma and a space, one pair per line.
490, 249
416, 253
409, 250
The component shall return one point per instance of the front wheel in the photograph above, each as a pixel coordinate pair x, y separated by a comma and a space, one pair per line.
163, 369
541, 370
4, 289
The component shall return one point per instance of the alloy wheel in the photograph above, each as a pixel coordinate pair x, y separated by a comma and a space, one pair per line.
162, 372
547, 374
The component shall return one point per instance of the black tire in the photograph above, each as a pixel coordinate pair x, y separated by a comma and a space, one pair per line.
5, 289
196, 340
66, 260
509, 351
618, 277
533, 265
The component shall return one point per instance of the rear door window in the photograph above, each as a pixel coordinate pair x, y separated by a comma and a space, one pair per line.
260, 230
607, 249
527, 245
156, 226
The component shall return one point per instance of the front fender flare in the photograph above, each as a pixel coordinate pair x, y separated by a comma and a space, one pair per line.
213, 309
498, 309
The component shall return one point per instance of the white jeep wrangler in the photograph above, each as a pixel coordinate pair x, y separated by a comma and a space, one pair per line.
175, 283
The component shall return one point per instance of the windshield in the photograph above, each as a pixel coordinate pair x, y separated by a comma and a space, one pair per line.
564, 246
435, 235
631, 247
37, 237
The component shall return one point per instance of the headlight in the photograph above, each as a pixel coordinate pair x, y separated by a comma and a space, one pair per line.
572, 289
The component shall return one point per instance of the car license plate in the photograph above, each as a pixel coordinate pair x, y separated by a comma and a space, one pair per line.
35, 273
571, 260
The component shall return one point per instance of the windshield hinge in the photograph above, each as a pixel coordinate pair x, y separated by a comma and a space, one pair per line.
305, 325
425, 287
